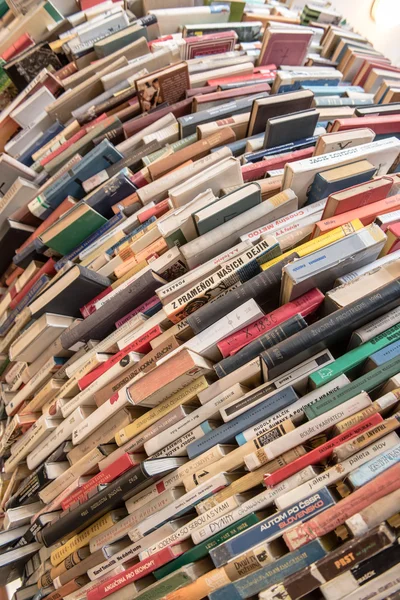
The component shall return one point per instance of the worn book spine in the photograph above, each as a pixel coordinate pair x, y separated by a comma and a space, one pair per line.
277, 334
325, 522
377, 465
323, 451
375, 327
260, 287
202, 587
371, 516
329, 329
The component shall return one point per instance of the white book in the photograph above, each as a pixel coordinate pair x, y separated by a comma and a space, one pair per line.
379, 262
299, 175
16, 517
258, 502
167, 135
39, 431
136, 140
222, 237
178, 446
308, 430
184, 533
169, 19
59, 435
338, 471
375, 327
172, 290
296, 377
294, 411
57, 486
129, 552
183, 504
33, 108
379, 588
20, 192
108, 409
157, 190
38, 337
171, 480
27, 136
201, 414
31, 387
81, 593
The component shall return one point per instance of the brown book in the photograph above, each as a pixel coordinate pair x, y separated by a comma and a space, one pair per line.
143, 366
179, 109
207, 89
67, 564
193, 152
82, 566
205, 101
71, 586
165, 85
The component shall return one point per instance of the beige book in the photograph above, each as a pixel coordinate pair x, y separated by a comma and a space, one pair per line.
331, 142
238, 123
365, 439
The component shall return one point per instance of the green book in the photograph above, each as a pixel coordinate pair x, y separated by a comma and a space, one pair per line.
72, 228
355, 357
366, 383
167, 585
202, 550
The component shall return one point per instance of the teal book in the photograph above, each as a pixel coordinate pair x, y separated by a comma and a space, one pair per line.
349, 361
271, 574
374, 467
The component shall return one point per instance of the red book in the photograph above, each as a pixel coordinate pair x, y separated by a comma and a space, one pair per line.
142, 345
253, 171
393, 239
384, 484
47, 269
357, 196
90, 308
284, 47
321, 453
139, 180
21, 44
16, 273
141, 569
77, 136
155, 211
304, 305
119, 466
255, 76
66, 71
380, 125
64, 207
180, 109
85, 4
165, 38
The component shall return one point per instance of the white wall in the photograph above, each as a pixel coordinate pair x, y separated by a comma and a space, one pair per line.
357, 12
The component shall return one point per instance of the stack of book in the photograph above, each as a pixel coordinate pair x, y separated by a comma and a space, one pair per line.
199, 303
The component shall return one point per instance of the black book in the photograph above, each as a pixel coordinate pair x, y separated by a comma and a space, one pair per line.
122, 488
269, 339
289, 128
13, 237
41, 521
101, 323
68, 293
376, 565
33, 251
333, 328
26, 65
263, 288
377, 109
276, 105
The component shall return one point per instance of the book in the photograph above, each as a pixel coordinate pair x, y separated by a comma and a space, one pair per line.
280, 46
290, 127
167, 85
338, 179
266, 108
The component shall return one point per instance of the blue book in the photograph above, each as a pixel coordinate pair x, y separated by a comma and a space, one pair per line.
114, 190
382, 356
89, 240
329, 182
298, 145
26, 157
226, 432
339, 90
271, 574
374, 467
33, 251
110, 251
297, 85
239, 146
26, 300
273, 526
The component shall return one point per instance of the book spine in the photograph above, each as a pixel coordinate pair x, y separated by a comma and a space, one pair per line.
202, 587
381, 486
370, 436
47, 269
371, 516
305, 432
320, 453
261, 286
226, 433
280, 332
378, 465
339, 471
302, 306
375, 327
26, 300
273, 526
291, 352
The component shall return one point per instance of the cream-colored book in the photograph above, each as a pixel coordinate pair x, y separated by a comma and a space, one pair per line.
41, 334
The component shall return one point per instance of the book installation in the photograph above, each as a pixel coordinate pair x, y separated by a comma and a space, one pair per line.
199, 302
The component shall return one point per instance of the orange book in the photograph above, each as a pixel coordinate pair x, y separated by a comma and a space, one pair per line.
366, 214
393, 240
128, 201
16, 273
202, 587
158, 247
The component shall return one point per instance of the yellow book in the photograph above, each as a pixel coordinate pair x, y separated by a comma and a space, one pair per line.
82, 539
250, 480
202, 587
235, 459
320, 242
188, 394
116, 237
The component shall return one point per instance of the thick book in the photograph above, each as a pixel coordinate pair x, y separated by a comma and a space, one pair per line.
274, 106
329, 329
120, 489
102, 322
